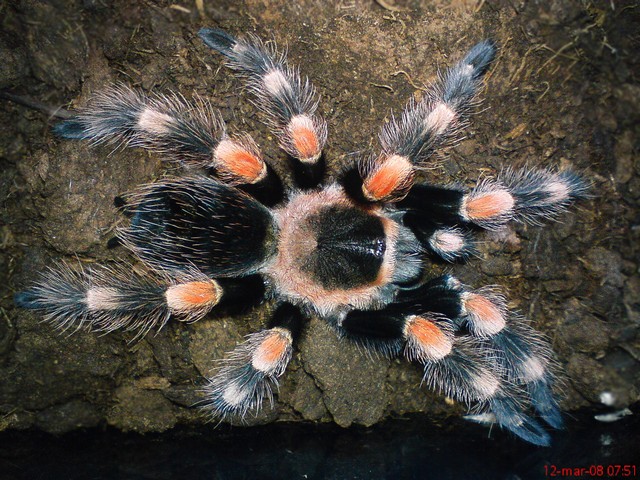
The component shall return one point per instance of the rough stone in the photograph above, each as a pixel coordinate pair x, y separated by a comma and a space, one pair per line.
584, 334
68, 416
539, 109
352, 384
141, 410
591, 379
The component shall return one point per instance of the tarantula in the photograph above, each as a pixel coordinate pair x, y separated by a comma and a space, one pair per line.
351, 250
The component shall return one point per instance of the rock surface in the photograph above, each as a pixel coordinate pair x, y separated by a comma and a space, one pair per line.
561, 92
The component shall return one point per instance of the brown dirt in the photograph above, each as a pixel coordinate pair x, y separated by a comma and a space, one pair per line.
563, 91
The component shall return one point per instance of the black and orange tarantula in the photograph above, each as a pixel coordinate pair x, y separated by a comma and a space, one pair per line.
351, 250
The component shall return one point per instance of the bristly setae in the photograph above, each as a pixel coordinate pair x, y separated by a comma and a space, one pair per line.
352, 251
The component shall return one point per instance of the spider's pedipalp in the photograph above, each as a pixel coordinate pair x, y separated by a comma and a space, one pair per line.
451, 243
120, 298
408, 142
446, 242
200, 222
250, 372
288, 101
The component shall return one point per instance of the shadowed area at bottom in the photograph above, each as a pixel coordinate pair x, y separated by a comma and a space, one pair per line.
413, 448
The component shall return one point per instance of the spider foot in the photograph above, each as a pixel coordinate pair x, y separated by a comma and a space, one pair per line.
449, 243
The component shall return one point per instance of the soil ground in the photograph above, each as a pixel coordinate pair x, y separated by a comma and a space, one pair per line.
563, 92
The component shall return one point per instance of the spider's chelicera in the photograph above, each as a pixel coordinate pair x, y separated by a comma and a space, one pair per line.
351, 250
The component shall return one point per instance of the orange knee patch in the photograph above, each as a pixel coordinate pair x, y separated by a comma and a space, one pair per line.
427, 340
391, 176
192, 296
489, 205
304, 138
271, 352
240, 161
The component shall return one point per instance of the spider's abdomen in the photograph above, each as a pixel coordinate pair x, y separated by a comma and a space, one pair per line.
349, 247
202, 223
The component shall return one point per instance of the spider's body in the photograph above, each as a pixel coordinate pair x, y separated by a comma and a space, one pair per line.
351, 250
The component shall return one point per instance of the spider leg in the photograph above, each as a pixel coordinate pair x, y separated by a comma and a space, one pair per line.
121, 298
448, 242
187, 131
287, 99
526, 195
250, 372
408, 142
199, 222
468, 349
